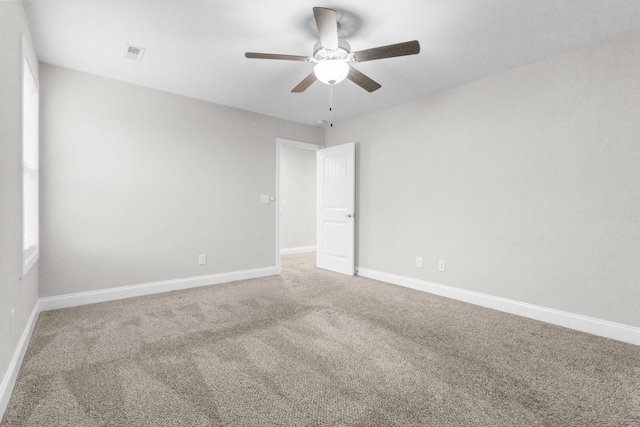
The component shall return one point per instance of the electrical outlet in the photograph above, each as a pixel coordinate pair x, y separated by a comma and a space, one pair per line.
13, 315
202, 259
419, 262
442, 266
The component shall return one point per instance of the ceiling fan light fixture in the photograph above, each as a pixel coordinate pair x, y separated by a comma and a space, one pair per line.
331, 71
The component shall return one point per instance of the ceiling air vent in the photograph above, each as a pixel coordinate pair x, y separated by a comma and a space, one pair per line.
133, 53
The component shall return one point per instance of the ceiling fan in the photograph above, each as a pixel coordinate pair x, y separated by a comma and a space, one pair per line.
333, 56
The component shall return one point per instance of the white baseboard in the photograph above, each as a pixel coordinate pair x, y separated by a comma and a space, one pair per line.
603, 328
297, 250
111, 294
9, 380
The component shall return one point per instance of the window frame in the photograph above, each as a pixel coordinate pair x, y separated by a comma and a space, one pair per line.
30, 165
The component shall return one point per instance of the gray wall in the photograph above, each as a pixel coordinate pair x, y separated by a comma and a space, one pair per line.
137, 182
20, 294
525, 183
298, 188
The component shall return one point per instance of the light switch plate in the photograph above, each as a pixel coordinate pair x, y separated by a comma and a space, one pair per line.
264, 198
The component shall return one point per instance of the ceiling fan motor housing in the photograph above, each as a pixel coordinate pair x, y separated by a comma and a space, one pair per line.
341, 53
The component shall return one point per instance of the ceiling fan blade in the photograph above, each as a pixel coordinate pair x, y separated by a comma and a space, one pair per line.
254, 55
363, 81
327, 23
390, 51
304, 84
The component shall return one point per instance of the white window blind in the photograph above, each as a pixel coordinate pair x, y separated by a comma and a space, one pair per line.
30, 168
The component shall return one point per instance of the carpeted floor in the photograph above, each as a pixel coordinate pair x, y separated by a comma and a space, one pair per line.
315, 348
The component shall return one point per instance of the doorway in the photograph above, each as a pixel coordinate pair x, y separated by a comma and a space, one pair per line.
295, 197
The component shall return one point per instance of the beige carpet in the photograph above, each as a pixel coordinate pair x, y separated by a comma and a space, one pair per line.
315, 348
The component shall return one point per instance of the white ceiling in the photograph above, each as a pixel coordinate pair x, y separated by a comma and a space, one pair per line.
196, 47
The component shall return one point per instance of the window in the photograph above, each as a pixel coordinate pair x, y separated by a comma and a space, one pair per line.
30, 167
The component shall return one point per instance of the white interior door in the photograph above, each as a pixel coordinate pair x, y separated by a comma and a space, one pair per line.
336, 208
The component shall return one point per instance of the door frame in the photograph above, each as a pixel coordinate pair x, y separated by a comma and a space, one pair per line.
281, 142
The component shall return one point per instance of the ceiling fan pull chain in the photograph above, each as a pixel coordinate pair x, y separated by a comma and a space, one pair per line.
331, 97
331, 104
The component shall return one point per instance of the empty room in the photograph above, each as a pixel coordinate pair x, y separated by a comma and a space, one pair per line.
234, 213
